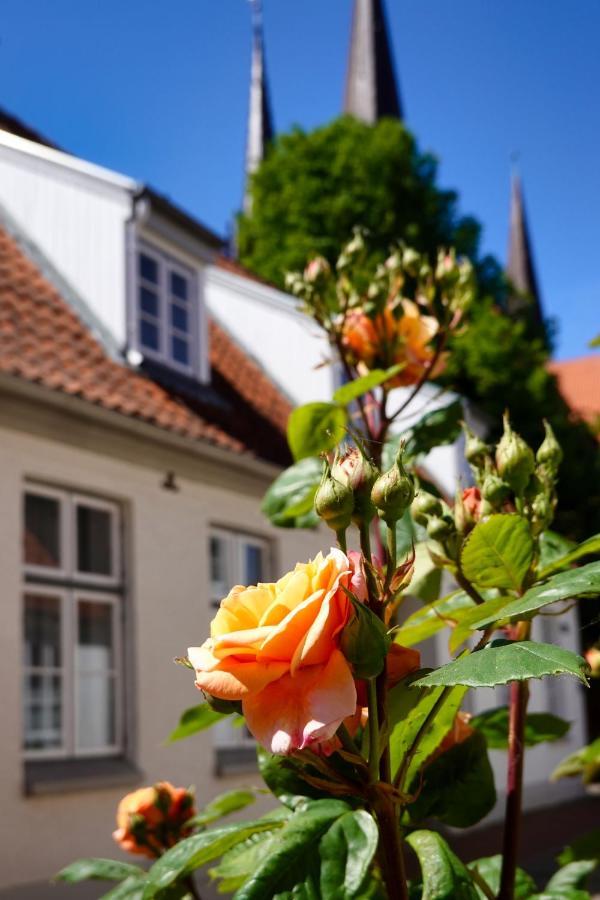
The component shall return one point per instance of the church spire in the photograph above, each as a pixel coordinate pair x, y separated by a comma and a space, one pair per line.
371, 87
520, 269
260, 120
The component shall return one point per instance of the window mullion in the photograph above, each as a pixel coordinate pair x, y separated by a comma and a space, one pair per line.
69, 668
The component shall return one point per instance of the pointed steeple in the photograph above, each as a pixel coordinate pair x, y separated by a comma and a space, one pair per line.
260, 120
520, 269
371, 86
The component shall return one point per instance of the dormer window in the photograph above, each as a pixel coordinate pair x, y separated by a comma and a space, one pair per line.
167, 314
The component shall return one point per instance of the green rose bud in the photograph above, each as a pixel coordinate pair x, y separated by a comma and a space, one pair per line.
514, 459
334, 502
393, 492
439, 529
358, 474
494, 489
542, 509
425, 505
476, 450
549, 452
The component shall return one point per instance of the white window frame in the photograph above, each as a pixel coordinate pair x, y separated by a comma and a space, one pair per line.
72, 586
225, 733
167, 264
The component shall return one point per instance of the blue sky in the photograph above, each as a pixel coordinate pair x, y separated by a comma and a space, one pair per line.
159, 91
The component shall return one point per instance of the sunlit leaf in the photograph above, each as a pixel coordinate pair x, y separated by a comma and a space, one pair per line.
498, 553
443, 874
590, 547
315, 427
102, 869
490, 869
195, 719
432, 618
288, 502
359, 386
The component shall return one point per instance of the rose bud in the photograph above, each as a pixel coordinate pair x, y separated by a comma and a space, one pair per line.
514, 459
439, 528
359, 474
334, 502
592, 657
494, 489
393, 492
425, 505
549, 452
152, 819
476, 450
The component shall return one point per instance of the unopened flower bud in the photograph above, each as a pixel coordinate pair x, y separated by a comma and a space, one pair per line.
425, 505
549, 452
393, 492
467, 509
542, 508
356, 472
592, 657
514, 459
494, 489
334, 502
316, 268
439, 528
476, 450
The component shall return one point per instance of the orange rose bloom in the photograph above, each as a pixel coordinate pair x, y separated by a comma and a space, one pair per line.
592, 657
386, 341
152, 819
275, 647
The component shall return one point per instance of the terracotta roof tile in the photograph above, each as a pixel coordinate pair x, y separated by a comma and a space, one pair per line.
43, 340
579, 383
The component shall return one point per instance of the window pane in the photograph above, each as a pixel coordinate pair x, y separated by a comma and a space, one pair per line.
42, 711
180, 351
179, 317
95, 650
148, 268
253, 563
42, 531
42, 631
94, 540
148, 334
179, 286
219, 587
148, 301
95, 714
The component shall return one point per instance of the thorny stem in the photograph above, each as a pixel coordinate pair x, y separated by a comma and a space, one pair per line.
519, 696
468, 587
390, 846
365, 546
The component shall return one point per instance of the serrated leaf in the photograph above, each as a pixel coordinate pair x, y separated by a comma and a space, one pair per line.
359, 386
571, 877
295, 853
589, 547
288, 503
434, 429
444, 875
552, 546
582, 582
498, 553
427, 577
502, 662
347, 850
584, 762
457, 787
195, 851
97, 868
468, 622
539, 727
195, 719
315, 428
408, 710
490, 869
432, 618
223, 805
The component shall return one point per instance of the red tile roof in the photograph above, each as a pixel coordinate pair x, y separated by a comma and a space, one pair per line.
579, 383
43, 340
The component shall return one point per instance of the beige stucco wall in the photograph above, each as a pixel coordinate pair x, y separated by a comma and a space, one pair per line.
166, 552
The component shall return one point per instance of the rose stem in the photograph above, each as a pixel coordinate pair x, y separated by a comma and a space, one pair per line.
373, 730
341, 539
519, 695
391, 849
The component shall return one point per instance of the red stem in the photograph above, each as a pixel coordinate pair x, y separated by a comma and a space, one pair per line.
519, 695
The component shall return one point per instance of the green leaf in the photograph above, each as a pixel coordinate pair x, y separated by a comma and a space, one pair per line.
195, 851
359, 386
434, 429
584, 762
502, 662
498, 553
571, 877
365, 642
103, 869
552, 546
585, 847
193, 720
288, 503
458, 786
444, 876
223, 805
347, 851
490, 869
582, 582
539, 728
130, 889
469, 621
432, 618
590, 547
295, 853
283, 777
427, 577
315, 428
408, 710
240, 862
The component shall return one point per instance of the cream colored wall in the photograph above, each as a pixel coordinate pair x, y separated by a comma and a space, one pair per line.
166, 596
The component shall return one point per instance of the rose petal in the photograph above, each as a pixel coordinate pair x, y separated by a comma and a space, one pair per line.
298, 710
